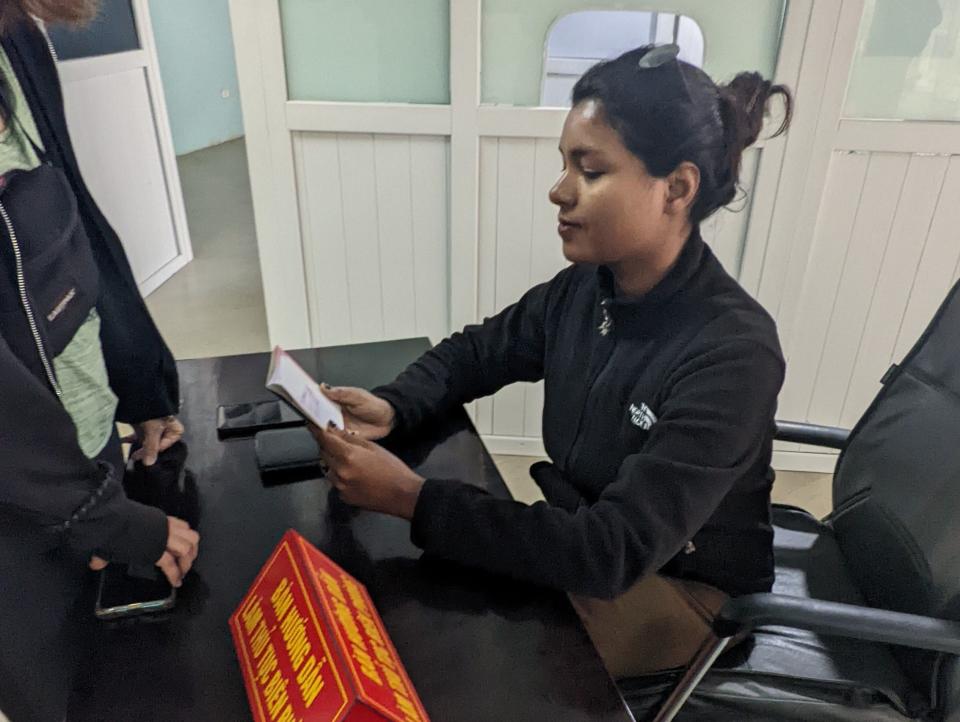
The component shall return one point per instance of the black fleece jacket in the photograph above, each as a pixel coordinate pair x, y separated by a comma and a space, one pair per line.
659, 419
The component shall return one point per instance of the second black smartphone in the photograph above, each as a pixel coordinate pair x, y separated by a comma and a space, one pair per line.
238, 420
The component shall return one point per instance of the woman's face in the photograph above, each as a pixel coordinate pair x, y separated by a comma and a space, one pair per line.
611, 209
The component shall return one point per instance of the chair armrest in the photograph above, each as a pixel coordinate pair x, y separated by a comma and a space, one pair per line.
836, 619
831, 437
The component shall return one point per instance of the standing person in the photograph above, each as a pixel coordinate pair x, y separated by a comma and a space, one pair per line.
661, 379
78, 351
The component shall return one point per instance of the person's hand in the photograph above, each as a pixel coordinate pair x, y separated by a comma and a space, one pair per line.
368, 415
182, 547
155, 436
367, 475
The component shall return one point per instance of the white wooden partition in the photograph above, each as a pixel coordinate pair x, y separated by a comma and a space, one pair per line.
118, 121
379, 220
861, 246
787, 204
374, 236
882, 257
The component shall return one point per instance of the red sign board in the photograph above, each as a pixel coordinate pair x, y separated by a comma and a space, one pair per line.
313, 648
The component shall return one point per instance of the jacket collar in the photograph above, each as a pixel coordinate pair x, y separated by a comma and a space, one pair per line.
688, 262
29, 55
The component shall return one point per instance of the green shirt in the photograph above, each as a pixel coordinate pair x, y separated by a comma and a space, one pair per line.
81, 370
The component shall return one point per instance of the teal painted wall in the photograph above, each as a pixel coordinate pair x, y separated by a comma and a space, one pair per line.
388, 51
195, 48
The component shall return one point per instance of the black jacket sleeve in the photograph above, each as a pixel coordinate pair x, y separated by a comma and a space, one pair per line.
713, 422
140, 367
484, 358
45, 479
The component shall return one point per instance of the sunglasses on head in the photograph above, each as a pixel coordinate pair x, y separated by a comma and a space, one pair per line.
666, 58
658, 56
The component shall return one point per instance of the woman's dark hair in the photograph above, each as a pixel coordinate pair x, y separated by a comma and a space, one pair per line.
673, 112
13, 12
74, 12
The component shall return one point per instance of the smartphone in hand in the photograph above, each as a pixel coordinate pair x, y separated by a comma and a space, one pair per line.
122, 594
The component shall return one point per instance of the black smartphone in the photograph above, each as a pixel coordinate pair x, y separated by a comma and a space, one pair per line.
287, 455
122, 594
238, 420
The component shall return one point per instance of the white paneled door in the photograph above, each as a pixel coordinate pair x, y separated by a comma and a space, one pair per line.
117, 118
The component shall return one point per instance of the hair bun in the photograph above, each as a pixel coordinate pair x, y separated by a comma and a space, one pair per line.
743, 107
747, 97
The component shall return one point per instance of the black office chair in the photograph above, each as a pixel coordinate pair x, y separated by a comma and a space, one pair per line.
864, 619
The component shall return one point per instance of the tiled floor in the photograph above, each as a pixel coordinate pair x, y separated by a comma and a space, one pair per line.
808, 491
214, 306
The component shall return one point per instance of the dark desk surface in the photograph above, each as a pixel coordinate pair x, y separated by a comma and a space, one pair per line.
477, 646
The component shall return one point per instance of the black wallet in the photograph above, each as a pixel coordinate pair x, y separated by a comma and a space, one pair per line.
285, 455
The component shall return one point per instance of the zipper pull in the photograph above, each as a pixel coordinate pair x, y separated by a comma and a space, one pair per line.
606, 325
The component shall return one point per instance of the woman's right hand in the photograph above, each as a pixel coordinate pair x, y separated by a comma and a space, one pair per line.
369, 416
182, 547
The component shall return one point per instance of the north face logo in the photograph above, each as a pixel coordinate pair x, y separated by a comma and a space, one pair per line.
642, 416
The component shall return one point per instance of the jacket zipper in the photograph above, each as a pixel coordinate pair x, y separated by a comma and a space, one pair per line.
605, 327
607, 324
25, 302
53, 50
18, 259
46, 36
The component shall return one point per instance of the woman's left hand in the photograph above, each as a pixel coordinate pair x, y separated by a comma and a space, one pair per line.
155, 436
367, 475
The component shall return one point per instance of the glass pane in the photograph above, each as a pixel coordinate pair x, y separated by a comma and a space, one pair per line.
367, 50
113, 31
734, 35
579, 40
907, 63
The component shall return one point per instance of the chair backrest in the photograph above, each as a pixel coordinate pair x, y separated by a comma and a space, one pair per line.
950, 690
896, 492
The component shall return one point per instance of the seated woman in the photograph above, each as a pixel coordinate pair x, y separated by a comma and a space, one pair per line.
661, 379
